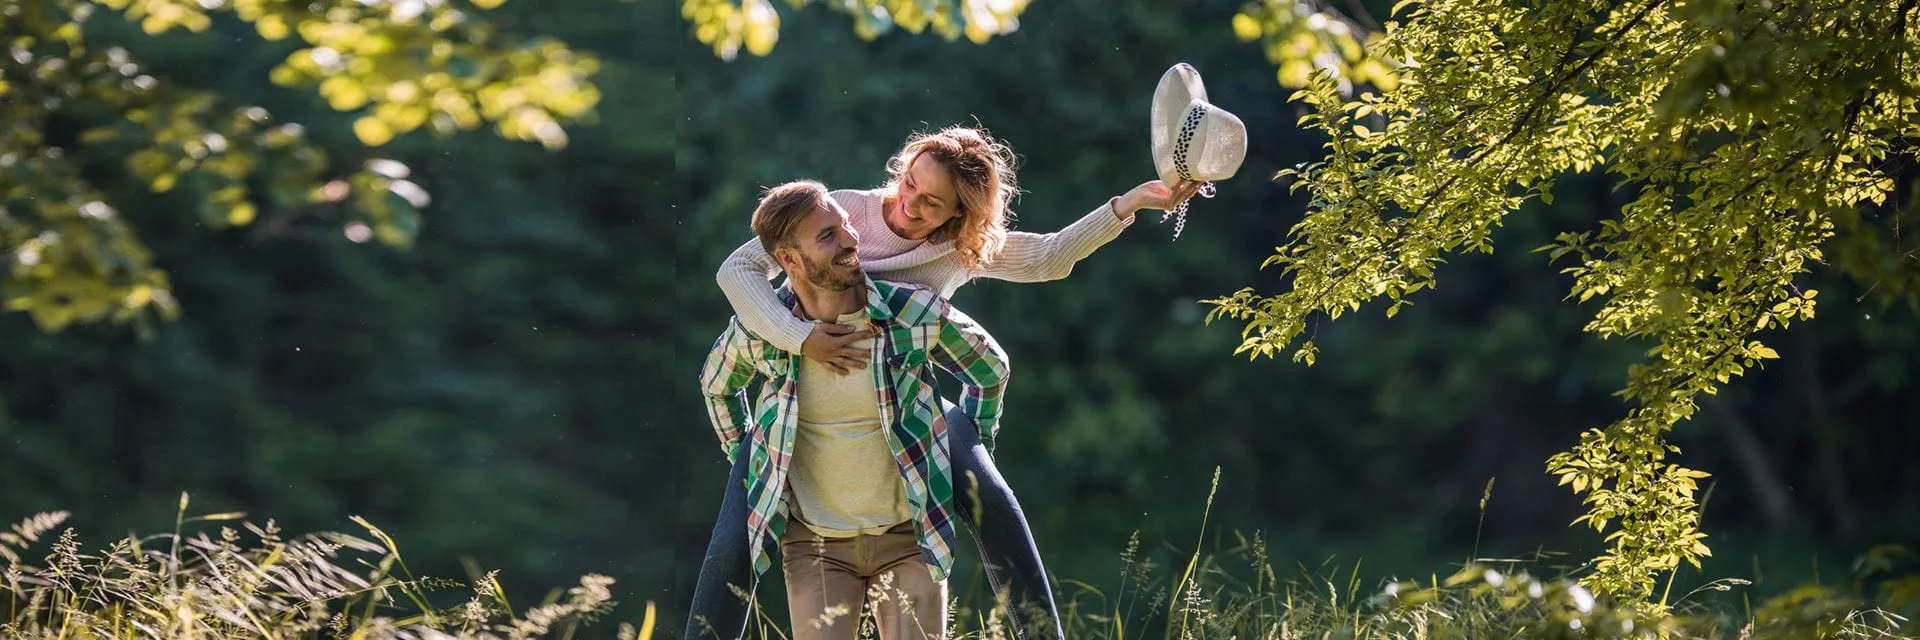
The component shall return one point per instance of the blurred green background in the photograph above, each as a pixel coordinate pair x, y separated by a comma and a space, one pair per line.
518, 389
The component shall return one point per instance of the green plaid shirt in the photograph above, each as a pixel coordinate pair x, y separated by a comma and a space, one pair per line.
916, 331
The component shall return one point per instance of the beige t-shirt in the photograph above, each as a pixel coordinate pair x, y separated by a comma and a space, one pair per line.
844, 477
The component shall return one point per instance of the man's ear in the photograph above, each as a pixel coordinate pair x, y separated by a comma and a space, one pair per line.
787, 257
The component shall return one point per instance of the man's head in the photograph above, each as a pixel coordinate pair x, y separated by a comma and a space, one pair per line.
808, 234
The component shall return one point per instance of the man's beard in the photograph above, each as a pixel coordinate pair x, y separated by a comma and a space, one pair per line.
827, 277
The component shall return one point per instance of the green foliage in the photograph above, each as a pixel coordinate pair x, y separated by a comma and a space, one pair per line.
1301, 37
727, 25
261, 584
1742, 130
401, 66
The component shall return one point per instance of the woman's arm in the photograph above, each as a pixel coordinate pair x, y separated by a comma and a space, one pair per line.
746, 279
1040, 257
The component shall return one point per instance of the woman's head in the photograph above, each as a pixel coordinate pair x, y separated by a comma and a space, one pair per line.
953, 184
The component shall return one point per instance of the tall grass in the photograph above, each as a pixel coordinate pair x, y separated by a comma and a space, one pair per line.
1236, 594
254, 582
208, 579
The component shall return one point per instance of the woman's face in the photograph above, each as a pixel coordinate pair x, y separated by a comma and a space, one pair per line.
925, 199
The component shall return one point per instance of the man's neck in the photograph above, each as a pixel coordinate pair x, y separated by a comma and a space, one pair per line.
820, 304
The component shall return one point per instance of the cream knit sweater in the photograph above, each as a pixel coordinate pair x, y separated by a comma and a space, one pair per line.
746, 275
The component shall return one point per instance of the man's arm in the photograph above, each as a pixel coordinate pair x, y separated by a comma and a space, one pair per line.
723, 382
971, 355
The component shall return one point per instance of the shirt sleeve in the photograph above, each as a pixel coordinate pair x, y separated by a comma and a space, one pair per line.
723, 383
1040, 257
746, 279
971, 355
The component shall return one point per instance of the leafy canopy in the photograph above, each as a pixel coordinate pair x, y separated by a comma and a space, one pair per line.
1739, 130
396, 66
728, 25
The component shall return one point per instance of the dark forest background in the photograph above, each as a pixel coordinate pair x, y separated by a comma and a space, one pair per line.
518, 389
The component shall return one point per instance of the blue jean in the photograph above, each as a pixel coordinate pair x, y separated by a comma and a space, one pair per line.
987, 508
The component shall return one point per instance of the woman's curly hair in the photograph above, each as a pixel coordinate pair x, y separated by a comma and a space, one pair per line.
983, 180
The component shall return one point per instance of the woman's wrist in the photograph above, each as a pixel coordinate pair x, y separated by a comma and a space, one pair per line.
1124, 214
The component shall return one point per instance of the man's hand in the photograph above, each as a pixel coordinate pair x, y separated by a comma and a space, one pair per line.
832, 345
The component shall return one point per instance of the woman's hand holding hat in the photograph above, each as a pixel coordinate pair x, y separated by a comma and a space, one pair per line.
1153, 194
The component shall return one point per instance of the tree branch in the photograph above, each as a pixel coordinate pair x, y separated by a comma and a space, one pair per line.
1358, 13
1540, 100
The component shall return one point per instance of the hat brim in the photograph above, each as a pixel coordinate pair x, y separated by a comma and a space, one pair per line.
1178, 88
1218, 146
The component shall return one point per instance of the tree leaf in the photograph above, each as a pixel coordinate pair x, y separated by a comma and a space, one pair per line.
372, 131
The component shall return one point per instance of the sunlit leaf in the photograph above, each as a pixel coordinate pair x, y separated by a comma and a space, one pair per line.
372, 131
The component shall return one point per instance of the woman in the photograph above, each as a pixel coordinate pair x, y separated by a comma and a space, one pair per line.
940, 221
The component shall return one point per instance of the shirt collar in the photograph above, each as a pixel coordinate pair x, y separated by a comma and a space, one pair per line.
877, 308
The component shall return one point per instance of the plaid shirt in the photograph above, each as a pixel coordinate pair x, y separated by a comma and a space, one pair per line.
914, 328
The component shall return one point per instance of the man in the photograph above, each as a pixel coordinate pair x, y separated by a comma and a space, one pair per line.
849, 475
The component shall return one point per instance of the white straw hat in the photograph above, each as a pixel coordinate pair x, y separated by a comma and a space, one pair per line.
1193, 140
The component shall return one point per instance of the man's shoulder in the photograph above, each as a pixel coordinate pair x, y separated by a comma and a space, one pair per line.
738, 335
912, 303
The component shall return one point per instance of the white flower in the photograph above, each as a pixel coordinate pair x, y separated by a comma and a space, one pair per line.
412, 193
324, 56
1582, 599
391, 169
97, 210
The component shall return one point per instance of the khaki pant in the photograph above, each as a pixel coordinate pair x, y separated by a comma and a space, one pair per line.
828, 579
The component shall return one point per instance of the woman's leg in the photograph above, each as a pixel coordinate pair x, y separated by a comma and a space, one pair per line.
719, 613
987, 505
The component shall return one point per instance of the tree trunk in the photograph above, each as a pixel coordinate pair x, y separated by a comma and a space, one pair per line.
1828, 434
1769, 491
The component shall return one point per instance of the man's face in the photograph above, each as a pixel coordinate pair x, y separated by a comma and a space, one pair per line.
827, 248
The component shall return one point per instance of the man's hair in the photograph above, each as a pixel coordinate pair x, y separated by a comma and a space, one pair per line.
782, 208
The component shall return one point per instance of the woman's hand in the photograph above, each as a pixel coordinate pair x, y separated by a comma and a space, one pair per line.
1155, 195
832, 345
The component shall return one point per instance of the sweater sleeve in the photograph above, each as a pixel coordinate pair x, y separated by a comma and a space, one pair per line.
746, 279
1039, 257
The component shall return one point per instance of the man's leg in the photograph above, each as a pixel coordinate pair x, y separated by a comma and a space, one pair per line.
824, 588
911, 605
987, 505
718, 613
